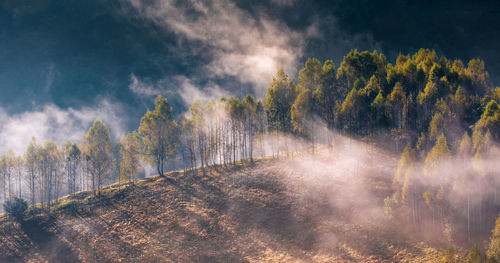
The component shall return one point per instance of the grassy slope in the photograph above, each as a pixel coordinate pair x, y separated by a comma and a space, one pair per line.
267, 212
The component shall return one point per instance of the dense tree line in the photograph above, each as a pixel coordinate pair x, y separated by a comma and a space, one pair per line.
431, 109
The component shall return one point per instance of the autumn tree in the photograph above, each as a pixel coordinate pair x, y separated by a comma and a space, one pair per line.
475, 255
99, 154
49, 165
8, 166
493, 252
187, 142
198, 116
30, 158
118, 150
236, 114
251, 123
158, 131
72, 157
3, 180
130, 150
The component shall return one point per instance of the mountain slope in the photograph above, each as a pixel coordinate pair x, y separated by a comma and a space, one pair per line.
305, 210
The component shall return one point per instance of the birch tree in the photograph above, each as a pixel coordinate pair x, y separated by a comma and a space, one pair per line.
99, 154
158, 131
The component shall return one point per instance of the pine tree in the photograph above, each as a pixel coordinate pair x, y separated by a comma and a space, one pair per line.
440, 152
327, 94
303, 116
407, 158
279, 100
490, 120
449, 256
494, 249
437, 126
475, 255
465, 145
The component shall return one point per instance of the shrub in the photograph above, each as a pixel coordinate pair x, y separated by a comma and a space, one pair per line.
449, 256
16, 208
475, 255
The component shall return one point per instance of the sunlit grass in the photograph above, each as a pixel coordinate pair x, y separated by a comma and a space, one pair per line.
212, 213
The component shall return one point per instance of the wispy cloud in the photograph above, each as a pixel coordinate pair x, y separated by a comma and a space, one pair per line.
248, 47
143, 88
178, 86
189, 91
60, 125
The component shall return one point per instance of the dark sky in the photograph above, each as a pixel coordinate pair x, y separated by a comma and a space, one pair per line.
101, 55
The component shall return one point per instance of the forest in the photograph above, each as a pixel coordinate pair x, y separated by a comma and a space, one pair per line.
439, 116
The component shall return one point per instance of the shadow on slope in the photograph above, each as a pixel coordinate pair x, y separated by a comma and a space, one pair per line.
50, 246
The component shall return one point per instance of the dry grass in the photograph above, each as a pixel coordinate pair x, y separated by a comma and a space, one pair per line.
266, 212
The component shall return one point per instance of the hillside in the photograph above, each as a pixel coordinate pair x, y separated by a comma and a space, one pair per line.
326, 209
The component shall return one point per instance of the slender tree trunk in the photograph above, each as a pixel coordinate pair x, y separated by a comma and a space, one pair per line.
277, 146
10, 187
234, 146
312, 135
49, 194
4, 190
33, 192
468, 215
19, 183
158, 169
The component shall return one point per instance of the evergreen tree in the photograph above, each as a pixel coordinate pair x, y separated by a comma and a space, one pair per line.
490, 120
303, 116
363, 65
397, 100
279, 99
494, 249
406, 160
475, 255
351, 110
437, 126
449, 256
310, 76
327, 95
440, 152
465, 145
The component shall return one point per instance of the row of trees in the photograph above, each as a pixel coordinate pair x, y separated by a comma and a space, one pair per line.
48, 171
221, 132
369, 97
416, 101
447, 177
